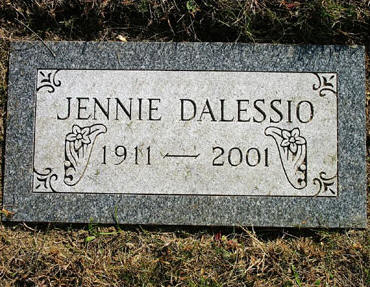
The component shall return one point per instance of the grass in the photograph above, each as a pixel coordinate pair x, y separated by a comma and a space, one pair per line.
95, 255
62, 256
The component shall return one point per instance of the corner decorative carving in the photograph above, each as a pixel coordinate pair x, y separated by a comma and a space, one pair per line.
327, 84
325, 183
47, 80
45, 179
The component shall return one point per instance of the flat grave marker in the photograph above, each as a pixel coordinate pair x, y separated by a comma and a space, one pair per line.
188, 134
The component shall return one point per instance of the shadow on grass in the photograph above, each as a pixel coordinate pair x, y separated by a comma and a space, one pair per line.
262, 233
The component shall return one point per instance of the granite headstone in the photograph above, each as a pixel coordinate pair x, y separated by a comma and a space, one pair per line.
186, 134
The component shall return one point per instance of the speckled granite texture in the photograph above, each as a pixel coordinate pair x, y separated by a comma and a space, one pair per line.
348, 209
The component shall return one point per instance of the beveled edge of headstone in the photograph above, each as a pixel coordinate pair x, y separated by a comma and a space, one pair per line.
346, 210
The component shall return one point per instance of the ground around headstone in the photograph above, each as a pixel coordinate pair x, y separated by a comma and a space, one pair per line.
94, 255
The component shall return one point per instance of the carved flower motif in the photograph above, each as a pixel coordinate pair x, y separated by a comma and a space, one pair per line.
79, 136
291, 139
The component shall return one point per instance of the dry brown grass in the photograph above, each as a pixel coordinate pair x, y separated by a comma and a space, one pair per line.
91, 255
60, 256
